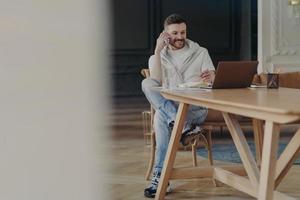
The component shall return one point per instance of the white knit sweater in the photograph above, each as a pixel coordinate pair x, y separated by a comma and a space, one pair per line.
183, 65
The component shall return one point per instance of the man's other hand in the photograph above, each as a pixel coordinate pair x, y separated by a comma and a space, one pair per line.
208, 76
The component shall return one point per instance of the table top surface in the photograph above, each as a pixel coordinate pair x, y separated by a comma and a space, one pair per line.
281, 100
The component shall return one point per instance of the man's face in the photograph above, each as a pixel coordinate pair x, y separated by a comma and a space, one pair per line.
177, 33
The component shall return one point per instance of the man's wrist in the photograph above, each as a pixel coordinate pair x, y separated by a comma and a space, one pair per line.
158, 49
157, 52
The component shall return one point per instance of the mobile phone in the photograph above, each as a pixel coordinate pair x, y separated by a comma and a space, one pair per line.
166, 41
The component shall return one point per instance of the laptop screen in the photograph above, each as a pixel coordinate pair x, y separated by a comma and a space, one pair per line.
234, 74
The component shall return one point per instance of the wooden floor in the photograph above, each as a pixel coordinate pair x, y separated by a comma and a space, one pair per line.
130, 156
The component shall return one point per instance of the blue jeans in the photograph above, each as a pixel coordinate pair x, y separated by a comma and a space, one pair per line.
165, 112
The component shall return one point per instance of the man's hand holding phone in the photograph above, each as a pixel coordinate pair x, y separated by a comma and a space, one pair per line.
162, 41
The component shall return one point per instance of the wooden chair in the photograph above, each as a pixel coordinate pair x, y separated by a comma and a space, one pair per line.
149, 136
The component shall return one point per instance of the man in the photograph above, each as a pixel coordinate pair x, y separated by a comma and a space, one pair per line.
178, 60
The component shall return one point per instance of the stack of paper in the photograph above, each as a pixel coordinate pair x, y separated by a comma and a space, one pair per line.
199, 84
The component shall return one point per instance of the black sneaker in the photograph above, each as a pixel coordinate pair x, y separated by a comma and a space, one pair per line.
190, 135
150, 191
171, 124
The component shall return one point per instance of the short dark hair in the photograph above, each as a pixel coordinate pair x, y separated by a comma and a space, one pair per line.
174, 19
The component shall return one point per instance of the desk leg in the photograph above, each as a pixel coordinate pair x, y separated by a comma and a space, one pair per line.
287, 158
268, 164
242, 147
172, 150
258, 133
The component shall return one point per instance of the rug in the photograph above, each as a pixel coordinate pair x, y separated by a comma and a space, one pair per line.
228, 152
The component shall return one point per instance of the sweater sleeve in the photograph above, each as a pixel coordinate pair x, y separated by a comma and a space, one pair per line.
155, 67
207, 63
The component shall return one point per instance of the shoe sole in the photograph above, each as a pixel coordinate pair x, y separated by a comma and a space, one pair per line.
169, 190
149, 196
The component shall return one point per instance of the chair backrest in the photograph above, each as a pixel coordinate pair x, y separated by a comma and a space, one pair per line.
146, 74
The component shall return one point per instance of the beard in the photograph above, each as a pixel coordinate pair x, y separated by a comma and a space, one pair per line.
177, 44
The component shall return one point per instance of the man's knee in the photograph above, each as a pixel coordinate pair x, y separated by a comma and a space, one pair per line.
149, 83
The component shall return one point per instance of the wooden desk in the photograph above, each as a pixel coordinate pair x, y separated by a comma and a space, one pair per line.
274, 106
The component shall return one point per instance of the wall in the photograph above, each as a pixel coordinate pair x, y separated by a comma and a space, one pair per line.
53, 135
224, 27
278, 37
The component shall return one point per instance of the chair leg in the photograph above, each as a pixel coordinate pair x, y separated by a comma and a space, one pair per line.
194, 148
209, 147
146, 119
194, 153
206, 139
152, 157
209, 152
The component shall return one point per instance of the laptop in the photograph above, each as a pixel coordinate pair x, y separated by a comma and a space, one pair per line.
234, 74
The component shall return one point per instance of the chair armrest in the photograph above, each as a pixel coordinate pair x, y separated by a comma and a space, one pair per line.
145, 73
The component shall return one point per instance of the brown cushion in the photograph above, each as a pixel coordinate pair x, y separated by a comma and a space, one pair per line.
289, 80
216, 116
